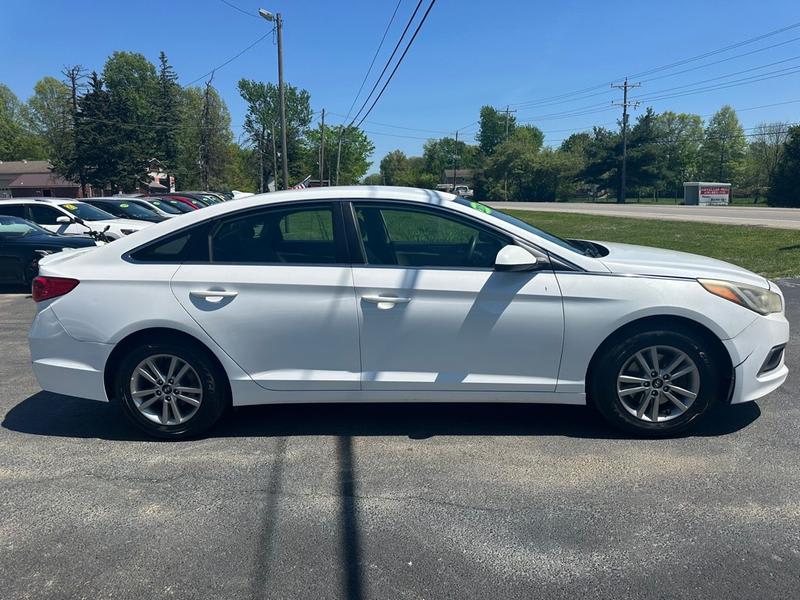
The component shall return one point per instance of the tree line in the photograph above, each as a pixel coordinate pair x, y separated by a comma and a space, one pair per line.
511, 161
103, 128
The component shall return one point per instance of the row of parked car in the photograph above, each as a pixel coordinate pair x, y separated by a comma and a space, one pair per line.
31, 228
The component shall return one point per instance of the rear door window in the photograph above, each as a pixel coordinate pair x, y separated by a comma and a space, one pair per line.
294, 235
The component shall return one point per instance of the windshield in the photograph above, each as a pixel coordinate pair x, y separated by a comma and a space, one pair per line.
129, 210
160, 205
179, 206
14, 227
488, 210
87, 212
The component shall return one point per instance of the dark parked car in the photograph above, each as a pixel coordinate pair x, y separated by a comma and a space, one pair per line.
23, 243
168, 206
125, 208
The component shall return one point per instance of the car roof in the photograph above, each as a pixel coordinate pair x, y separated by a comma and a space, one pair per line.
37, 200
110, 199
377, 193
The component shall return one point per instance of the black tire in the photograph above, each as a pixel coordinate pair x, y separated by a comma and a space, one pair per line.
212, 379
603, 390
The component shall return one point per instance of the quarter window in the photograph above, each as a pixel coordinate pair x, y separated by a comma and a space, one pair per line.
12, 210
187, 245
407, 236
295, 235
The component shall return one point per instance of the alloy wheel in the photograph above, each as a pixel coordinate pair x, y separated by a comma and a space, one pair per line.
166, 389
658, 384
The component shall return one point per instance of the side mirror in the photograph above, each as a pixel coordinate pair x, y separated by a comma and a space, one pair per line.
63, 220
515, 258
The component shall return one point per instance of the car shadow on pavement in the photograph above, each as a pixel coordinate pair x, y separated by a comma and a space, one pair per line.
50, 414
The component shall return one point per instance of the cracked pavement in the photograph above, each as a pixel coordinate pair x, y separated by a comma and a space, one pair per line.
392, 501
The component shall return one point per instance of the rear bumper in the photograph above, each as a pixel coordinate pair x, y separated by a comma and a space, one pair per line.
64, 365
749, 352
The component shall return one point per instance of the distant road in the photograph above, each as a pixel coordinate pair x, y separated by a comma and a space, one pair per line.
783, 218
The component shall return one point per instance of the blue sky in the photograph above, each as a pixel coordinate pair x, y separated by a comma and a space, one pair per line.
468, 54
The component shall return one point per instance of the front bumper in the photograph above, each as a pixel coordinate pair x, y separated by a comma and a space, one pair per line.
749, 351
64, 365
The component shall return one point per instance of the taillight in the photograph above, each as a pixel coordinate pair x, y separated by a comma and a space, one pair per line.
45, 288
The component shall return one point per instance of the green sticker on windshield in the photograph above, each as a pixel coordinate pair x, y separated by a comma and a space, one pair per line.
481, 207
156, 202
124, 205
70, 206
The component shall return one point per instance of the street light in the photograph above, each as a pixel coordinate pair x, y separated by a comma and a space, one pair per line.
265, 14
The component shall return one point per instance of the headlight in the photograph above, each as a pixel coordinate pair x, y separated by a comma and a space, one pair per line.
43, 253
758, 299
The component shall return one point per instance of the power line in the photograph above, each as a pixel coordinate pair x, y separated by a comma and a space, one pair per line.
529, 106
234, 7
231, 59
717, 62
725, 86
707, 80
388, 61
664, 67
374, 57
399, 61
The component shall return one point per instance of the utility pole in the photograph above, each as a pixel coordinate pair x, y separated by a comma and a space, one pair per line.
274, 158
282, 93
322, 150
265, 14
73, 74
204, 136
261, 162
339, 152
508, 112
625, 104
455, 161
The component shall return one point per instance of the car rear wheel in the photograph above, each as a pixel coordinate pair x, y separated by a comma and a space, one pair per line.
656, 383
171, 391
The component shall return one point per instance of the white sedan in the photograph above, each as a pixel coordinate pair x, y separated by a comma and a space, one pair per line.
379, 294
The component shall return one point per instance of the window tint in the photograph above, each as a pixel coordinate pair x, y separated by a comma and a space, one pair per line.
188, 245
87, 212
44, 215
12, 210
299, 234
407, 236
163, 206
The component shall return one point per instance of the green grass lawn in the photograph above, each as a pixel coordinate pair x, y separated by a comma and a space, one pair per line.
771, 252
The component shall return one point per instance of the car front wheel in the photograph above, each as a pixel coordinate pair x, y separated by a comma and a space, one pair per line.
171, 391
656, 383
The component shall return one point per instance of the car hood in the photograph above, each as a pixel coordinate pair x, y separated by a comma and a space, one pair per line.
60, 241
644, 260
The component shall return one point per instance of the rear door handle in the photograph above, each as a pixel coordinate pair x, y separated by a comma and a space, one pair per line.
386, 300
213, 295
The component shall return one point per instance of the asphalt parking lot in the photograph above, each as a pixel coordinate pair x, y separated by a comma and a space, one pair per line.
414, 501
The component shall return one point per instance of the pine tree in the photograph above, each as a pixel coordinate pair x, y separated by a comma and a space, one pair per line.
167, 113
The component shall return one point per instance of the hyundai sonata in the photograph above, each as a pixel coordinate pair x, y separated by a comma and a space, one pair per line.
379, 294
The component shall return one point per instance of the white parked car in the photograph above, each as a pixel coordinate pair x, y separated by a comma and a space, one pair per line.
376, 294
68, 216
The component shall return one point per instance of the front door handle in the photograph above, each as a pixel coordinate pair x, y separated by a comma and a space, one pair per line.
385, 301
213, 295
